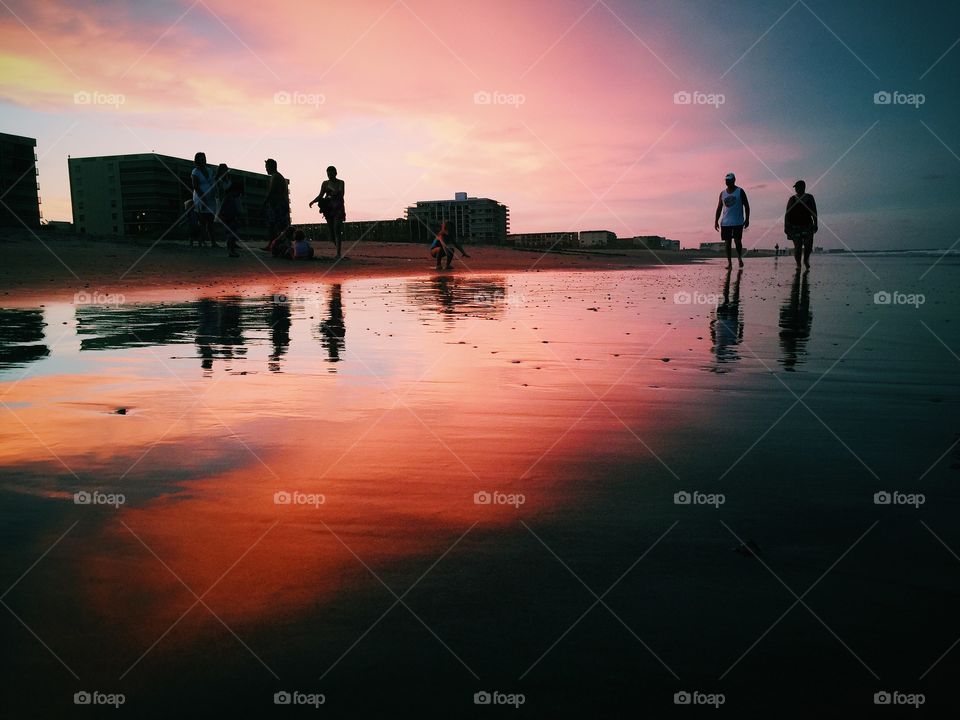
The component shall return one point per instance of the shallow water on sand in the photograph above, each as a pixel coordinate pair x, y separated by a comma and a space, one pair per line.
298, 457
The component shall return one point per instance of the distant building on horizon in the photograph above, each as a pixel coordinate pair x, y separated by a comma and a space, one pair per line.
476, 220
650, 242
398, 230
544, 240
712, 246
19, 187
597, 238
143, 195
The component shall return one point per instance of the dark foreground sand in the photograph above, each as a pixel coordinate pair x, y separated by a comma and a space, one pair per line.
68, 264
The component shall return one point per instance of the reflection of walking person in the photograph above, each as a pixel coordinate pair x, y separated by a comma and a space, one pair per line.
800, 222
726, 327
439, 248
733, 217
795, 321
332, 329
330, 201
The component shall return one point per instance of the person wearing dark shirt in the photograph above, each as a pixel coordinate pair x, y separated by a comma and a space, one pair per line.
800, 222
277, 202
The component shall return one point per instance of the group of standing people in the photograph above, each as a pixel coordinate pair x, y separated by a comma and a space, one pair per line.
218, 198
800, 221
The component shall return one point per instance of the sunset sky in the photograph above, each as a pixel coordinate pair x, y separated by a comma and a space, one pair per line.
582, 130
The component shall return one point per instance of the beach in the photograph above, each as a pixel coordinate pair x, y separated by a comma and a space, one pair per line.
591, 488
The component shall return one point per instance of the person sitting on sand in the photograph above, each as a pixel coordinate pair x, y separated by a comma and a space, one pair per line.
280, 245
439, 248
300, 249
733, 217
330, 202
800, 222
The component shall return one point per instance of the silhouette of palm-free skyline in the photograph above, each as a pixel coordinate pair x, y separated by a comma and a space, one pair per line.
575, 114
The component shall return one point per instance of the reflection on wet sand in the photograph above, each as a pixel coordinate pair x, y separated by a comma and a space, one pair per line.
726, 326
332, 329
459, 295
795, 321
21, 336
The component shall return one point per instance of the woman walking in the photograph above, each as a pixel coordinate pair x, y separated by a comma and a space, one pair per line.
228, 206
330, 201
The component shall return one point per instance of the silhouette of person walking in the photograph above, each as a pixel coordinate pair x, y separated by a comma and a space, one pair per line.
732, 217
800, 222
229, 206
330, 201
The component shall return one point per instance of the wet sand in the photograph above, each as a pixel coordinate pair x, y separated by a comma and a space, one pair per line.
597, 396
68, 264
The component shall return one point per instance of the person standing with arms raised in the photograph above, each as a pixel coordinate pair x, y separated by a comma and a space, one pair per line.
733, 217
330, 201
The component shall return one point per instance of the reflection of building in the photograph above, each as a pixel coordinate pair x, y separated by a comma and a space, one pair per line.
144, 195
712, 246
21, 336
478, 220
544, 240
19, 189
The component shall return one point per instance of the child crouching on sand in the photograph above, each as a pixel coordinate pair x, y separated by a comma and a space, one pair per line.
439, 248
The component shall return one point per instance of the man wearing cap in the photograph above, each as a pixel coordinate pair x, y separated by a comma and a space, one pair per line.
733, 217
800, 222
